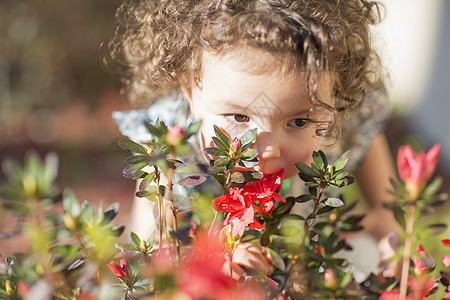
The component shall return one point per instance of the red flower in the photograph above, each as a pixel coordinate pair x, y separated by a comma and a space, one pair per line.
264, 190
200, 274
241, 212
416, 169
122, 270
446, 242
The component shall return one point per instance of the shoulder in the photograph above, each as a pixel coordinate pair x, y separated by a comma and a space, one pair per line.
360, 130
172, 109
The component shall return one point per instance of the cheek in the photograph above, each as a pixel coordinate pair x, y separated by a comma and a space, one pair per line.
299, 152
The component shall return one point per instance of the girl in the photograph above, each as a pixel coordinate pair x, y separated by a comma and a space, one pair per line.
302, 72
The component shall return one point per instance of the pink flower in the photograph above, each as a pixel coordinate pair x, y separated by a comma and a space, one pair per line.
235, 145
175, 135
122, 270
422, 261
447, 297
419, 290
416, 169
264, 190
446, 261
241, 212
392, 295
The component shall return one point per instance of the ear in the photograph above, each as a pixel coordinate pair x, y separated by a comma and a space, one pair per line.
185, 88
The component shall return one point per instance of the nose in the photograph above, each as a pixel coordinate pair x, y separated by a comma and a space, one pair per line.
268, 146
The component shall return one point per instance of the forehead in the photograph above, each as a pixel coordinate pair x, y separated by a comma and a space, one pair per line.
244, 74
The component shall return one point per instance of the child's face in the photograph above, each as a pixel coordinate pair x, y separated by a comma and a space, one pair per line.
235, 97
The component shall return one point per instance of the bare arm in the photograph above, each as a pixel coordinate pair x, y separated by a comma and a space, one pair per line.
373, 178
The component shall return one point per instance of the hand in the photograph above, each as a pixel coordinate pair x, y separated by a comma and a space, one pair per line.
388, 246
248, 257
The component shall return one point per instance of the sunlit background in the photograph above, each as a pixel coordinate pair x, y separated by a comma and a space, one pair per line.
55, 95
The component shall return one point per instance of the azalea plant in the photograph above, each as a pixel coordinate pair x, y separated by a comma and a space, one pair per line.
77, 254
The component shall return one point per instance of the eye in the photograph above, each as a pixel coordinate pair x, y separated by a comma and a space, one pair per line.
298, 123
240, 118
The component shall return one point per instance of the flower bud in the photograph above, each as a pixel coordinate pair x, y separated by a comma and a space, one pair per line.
235, 145
416, 169
330, 280
9, 289
69, 221
175, 135
144, 246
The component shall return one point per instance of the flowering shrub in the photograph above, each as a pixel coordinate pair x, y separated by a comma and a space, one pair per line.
76, 254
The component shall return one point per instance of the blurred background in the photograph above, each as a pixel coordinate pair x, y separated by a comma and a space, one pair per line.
55, 95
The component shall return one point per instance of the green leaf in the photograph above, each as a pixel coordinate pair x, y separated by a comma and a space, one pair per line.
304, 198
318, 160
131, 146
140, 158
265, 239
153, 130
192, 180
399, 215
334, 202
146, 181
251, 176
249, 154
51, 168
432, 230
150, 191
125, 246
342, 161
237, 177
433, 187
117, 231
219, 143
135, 239
215, 151
306, 173
325, 209
219, 133
249, 163
161, 126
71, 204
111, 212
162, 190
87, 212
193, 129
284, 208
276, 259
221, 161
249, 138
230, 165
134, 170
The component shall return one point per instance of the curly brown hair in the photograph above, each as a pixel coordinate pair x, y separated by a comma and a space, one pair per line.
160, 42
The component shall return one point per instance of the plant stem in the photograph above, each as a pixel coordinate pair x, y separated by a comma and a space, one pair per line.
161, 214
225, 190
170, 173
407, 250
300, 247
